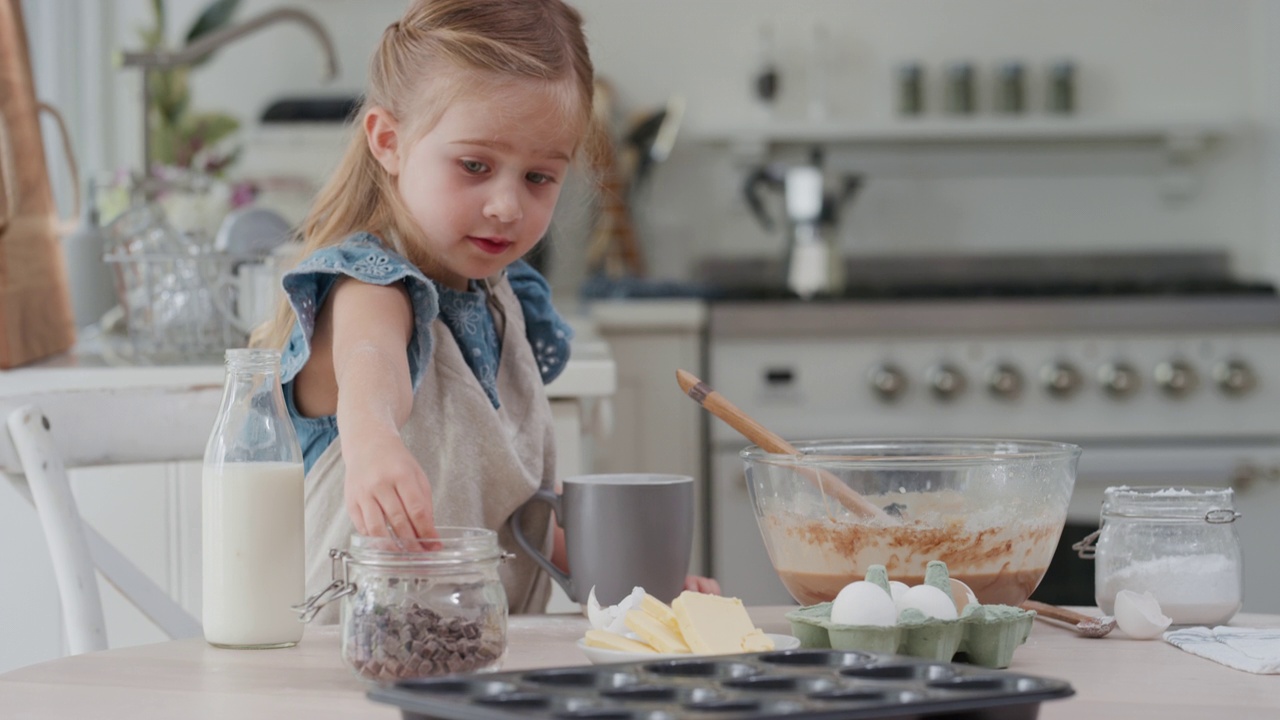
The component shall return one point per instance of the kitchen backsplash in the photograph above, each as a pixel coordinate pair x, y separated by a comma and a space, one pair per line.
1139, 63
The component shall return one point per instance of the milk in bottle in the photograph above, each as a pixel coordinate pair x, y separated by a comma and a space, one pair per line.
252, 511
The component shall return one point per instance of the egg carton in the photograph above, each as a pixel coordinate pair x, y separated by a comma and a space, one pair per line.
793, 684
986, 635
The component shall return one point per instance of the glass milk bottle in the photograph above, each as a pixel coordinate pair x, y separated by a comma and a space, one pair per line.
252, 511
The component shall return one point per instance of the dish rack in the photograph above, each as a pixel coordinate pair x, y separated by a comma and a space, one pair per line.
179, 308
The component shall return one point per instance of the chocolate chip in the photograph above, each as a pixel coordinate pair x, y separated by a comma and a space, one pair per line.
392, 635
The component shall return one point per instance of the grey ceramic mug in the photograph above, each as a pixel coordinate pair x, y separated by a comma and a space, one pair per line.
621, 531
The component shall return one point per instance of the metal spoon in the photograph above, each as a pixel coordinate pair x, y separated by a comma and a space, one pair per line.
1087, 625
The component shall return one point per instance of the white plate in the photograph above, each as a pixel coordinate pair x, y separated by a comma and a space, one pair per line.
600, 656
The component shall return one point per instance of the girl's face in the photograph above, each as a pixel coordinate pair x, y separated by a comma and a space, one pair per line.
483, 182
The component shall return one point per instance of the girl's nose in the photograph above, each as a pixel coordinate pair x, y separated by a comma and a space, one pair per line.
503, 204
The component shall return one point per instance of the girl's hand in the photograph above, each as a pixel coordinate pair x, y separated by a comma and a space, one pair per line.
387, 492
700, 584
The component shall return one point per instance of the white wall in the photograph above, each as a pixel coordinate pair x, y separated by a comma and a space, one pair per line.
1157, 60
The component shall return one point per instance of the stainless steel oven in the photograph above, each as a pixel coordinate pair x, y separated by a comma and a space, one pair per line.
1165, 370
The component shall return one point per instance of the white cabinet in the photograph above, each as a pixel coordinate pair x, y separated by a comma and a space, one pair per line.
656, 428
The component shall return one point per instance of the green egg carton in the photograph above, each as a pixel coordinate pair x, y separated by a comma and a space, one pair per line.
987, 634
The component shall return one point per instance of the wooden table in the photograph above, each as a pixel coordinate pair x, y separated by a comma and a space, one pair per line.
1114, 677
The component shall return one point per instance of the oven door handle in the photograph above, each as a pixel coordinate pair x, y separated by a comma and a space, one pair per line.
1190, 463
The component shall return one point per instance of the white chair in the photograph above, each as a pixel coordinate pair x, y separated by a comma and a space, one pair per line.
51, 432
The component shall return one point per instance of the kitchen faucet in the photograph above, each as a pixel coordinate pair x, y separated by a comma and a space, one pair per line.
161, 60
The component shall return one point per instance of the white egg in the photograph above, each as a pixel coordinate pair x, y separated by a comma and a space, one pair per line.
1139, 616
931, 601
897, 590
962, 595
863, 603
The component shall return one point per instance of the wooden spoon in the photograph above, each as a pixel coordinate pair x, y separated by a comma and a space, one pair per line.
752, 430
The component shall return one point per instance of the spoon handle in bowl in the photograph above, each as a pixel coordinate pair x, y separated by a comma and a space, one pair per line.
752, 430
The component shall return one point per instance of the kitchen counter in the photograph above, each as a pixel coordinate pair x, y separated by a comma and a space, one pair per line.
1114, 678
648, 315
589, 373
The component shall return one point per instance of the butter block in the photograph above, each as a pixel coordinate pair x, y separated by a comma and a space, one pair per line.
655, 632
757, 641
712, 624
660, 611
613, 641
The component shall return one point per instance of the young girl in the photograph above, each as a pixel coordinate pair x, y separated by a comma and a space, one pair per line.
416, 342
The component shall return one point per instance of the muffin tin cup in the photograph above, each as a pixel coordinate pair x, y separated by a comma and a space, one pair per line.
803, 684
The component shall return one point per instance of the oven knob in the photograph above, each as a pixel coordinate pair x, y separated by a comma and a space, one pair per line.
1061, 379
1119, 379
888, 381
1004, 381
1234, 377
1176, 378
946, 381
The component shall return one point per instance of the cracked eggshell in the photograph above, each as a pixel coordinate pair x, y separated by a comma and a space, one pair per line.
931, 601
863, 603
1139, 615
596, 614
612, 618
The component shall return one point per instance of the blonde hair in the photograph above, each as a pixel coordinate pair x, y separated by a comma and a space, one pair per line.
438, 50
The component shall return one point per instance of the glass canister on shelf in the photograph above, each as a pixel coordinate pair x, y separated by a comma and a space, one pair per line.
418, 608
252, 511
1179, 544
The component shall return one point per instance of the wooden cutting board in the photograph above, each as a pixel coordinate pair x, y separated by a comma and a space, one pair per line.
36, 318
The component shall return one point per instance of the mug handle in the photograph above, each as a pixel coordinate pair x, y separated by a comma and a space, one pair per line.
551, 498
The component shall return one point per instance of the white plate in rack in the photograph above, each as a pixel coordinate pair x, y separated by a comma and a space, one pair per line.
601, 656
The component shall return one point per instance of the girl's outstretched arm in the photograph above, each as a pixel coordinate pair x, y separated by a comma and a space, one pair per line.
386, 489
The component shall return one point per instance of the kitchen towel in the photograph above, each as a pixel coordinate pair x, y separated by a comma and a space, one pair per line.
1255, 650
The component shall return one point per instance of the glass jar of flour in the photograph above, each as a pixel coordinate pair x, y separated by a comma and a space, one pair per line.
1179, 544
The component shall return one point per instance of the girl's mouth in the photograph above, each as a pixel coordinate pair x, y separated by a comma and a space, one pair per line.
493, 246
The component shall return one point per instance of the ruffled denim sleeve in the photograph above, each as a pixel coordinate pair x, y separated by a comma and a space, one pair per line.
365, 258
548, 333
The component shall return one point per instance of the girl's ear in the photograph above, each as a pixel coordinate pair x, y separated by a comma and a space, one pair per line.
381, 131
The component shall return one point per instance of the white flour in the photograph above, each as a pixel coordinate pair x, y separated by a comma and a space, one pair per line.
1191, 589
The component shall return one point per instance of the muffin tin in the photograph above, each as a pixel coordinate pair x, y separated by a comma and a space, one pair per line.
799, 684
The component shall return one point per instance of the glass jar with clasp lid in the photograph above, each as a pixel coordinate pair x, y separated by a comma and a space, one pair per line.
1179, 544
418, 608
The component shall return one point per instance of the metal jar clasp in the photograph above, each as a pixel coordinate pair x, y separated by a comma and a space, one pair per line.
1221, 516
1086, 548
340, 587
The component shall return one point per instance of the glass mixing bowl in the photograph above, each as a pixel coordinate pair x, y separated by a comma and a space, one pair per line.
992, 510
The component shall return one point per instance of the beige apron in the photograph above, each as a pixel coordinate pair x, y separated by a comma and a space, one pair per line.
482, 462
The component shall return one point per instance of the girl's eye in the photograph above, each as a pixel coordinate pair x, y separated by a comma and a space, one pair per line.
539, 178
474, 166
